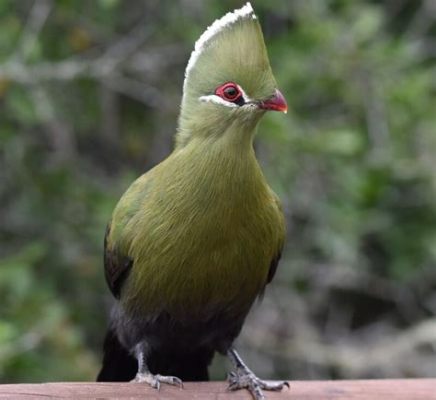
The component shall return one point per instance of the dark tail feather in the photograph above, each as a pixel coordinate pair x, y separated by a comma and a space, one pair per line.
118, 364
190, 366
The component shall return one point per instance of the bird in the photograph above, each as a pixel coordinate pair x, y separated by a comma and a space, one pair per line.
194, 241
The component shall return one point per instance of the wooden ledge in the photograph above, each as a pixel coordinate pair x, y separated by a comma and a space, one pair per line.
392, 389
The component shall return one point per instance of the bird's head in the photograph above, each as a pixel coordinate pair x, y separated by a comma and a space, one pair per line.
228, 80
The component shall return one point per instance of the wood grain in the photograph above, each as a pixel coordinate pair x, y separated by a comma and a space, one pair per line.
401, 389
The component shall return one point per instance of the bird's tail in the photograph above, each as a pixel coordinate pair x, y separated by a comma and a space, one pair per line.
188, 366
118, 364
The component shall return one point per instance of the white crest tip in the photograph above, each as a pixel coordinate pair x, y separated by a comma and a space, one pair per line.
217, 26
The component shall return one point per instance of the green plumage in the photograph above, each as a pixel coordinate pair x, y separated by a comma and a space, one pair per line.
195, 240
202, 228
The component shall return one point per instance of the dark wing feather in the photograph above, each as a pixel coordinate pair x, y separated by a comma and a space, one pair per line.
273, 266
116, 266
275, 261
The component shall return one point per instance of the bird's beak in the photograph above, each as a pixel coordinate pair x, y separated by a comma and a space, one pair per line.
275, 103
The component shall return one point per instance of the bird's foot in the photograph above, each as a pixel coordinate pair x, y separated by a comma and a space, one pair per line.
245, 379
155, 380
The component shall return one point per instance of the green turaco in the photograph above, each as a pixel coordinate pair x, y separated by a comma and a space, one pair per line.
194, 241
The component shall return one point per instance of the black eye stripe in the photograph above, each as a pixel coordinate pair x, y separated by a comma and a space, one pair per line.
239, 101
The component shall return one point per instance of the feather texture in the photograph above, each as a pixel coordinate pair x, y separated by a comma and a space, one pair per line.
220, 25
193, 242
205, 232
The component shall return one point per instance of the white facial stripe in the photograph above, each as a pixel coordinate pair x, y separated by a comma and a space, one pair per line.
217, 26
213, 98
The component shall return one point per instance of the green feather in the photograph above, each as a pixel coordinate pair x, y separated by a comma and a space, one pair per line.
203, 226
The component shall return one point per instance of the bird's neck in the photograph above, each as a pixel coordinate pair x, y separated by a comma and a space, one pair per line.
208, 125
215, 133
214, 167
224, 150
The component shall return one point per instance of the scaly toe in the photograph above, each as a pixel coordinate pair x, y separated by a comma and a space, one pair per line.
155, 380
247, 380
170, 380
276, 386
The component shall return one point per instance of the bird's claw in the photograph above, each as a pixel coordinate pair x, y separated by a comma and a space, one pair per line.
247, 380
155, 380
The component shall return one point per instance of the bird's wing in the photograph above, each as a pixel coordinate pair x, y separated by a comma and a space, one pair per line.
116, 266
275, 261
273, 266
117, 261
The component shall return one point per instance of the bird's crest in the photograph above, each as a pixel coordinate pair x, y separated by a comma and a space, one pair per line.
232, 49
246, 12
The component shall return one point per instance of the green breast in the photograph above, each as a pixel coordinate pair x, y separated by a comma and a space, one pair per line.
203, 237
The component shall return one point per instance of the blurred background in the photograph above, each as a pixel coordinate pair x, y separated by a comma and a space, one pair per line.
89, 99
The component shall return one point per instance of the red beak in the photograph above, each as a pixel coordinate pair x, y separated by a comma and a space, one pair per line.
275, 103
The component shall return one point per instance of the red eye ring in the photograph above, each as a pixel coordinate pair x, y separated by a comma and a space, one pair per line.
229, 91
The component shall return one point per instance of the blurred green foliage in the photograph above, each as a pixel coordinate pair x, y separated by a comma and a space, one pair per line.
89, 97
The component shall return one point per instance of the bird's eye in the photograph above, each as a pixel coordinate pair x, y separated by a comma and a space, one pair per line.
230, 92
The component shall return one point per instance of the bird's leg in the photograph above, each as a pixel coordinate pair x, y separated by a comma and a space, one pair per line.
243, 377
144, 374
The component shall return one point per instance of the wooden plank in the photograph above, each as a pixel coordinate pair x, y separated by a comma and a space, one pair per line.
401, 389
